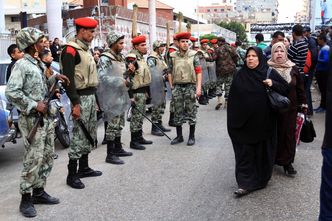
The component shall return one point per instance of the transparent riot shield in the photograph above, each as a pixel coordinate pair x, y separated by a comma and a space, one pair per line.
212, 71
157, 86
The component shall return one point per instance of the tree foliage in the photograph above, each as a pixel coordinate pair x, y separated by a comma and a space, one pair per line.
207, 36
236, 27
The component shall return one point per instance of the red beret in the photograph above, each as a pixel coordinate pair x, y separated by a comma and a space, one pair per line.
214, 41
138, 39
174, 37
193, 39
204, 41
86, 22
183, 35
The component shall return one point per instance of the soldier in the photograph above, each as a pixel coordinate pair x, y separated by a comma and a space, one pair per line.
186, 82
212, 67
138, 92
172, 48
226, 67
114, 95
78, 65
157, 63
26, 89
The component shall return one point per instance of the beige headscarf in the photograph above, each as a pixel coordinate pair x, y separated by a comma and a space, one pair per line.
285, 68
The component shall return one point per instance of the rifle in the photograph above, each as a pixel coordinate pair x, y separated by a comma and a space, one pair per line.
39, 119
86, 132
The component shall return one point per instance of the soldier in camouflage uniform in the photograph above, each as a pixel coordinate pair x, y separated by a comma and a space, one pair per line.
26, 89
138, 92
186, 82
112, 68
78, 65
226, 59
155, 59
172, 48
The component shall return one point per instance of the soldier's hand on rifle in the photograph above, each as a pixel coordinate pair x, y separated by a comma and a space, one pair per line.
63, 78
41, 107
76, 111
133, 102
131, 67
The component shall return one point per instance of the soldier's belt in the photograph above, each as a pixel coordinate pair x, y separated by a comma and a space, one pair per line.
183, 85
87, 91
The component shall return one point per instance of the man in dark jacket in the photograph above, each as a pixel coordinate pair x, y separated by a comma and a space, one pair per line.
14, 54
326, 183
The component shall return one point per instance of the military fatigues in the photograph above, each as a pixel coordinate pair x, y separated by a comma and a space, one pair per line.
26, 86
80, 67
154, 60
183, 73
111, 64
226, 67
141, 80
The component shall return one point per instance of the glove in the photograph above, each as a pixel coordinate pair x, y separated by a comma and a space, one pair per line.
76, 111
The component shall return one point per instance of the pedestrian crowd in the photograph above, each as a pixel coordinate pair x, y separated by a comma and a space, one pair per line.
119, 88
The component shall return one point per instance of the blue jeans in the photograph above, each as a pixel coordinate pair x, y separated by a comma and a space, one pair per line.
325, 213
307, 85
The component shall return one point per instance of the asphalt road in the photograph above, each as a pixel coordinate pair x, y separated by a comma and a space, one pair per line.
167, 182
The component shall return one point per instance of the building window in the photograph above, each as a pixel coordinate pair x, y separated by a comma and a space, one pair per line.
215, 10
208, 10
15, 19
222, 10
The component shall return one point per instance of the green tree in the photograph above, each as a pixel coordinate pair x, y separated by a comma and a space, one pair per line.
207, 36
236, 27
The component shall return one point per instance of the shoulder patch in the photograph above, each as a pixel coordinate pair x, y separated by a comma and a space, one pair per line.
71, 50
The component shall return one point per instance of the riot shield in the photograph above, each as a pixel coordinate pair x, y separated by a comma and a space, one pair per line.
212, 71
205, 72
112, 92
4, 128
157, 86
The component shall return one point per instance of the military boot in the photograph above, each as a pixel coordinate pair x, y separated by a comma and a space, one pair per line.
26, 206
111, 157
39, 196
155, 131
191, 140
141, 139
160, 124
72, 179
84, 170
105, 128
134, 144
118, 149
171, 122
179, 137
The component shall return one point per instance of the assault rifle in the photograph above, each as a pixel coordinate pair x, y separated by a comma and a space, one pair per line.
39, 119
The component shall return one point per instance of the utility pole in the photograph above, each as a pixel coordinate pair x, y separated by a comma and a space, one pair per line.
152, 21
54, 18
2, 17
100, 22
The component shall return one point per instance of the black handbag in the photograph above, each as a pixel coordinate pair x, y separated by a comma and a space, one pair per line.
277, 101
308, 132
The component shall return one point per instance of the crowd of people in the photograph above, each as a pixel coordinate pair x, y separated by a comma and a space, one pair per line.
104, 80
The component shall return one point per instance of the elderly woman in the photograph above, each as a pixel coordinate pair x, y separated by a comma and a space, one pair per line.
251, 122
287, 120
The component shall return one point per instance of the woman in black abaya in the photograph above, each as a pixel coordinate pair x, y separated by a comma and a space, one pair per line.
251, 123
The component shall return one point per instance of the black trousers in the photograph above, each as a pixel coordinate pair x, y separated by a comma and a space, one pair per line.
321, 77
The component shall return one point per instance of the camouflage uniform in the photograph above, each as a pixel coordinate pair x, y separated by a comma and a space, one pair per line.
26, 86
183, 93
78, 65
226, 68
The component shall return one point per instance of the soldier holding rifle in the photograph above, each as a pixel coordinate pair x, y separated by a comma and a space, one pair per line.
27, 89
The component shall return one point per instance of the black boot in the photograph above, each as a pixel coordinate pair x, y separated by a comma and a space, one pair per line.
155, 131
111, 157
26, 206
179, 137
141, 139
191, 140
84, 170
118, 150
39, 196
160, 124
134, 144
105, 127
72, 178
171, 122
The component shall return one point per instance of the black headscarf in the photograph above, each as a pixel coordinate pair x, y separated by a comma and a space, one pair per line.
248, 111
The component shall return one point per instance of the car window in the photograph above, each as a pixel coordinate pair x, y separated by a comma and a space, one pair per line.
3, 73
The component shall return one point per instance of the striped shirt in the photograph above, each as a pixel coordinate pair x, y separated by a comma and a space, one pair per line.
297, 53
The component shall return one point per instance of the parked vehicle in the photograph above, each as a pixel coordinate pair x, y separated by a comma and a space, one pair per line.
8, 114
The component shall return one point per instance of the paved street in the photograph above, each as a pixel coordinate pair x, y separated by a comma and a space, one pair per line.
172, 182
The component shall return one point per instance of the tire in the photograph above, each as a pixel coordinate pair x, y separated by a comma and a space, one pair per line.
62, 132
